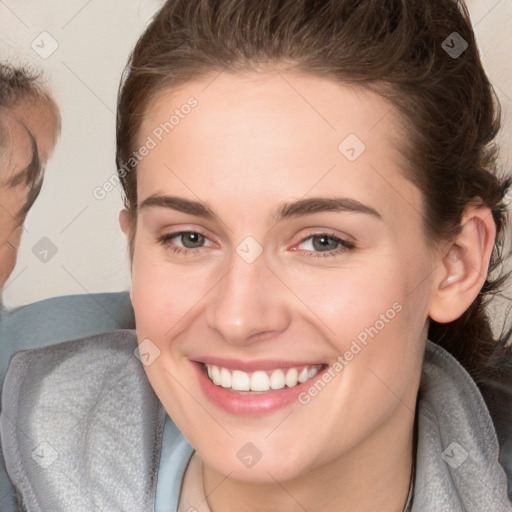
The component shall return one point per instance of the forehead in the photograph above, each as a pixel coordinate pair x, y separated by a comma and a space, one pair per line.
256, 102
277, 135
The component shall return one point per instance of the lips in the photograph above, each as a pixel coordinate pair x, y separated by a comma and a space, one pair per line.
257, 388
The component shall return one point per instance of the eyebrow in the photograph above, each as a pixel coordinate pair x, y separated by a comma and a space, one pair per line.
323, 204
288, 210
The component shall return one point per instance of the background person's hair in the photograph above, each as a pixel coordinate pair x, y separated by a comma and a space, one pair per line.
20, 84
394, 47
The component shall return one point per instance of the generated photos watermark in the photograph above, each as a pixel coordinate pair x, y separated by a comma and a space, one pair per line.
356, 346
157, 135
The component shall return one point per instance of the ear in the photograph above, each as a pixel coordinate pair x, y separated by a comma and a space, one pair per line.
463, 265
124, 221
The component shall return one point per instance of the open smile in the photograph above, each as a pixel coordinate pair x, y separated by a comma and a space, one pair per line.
255, 392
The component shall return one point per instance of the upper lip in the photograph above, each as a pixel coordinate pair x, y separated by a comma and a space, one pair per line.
251, 366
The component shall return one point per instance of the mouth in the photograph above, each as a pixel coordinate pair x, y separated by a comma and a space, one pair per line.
260, 381
255, 390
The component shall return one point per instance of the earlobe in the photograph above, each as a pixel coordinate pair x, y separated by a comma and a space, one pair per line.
463, 266
124, 221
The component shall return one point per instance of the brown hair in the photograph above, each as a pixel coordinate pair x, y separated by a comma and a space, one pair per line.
397, 48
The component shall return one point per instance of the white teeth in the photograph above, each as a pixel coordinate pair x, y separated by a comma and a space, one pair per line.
277, 380
215, 375
225, 378
260, 381
291, 377
240, 381
303, 375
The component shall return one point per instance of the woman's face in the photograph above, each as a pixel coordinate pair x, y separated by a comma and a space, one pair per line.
276, 241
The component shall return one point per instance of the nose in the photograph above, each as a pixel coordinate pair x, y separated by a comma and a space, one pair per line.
248, 304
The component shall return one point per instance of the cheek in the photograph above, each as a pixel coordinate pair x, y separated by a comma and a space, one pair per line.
385, 344
373, 315
349, 299
164, 296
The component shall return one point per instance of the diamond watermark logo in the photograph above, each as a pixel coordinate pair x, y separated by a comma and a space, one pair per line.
249, 249
455, 455
45, 455
45, 45
454, 45
351, 147
147, 352
44, 250
249, 455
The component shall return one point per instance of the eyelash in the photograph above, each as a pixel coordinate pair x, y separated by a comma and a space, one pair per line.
345, 245
165, 240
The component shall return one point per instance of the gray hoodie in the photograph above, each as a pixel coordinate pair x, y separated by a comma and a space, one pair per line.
82, 430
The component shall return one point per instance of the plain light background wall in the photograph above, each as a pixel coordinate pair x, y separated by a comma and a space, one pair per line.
82, 47
94, 40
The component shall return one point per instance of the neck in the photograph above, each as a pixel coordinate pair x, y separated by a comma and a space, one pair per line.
378, 468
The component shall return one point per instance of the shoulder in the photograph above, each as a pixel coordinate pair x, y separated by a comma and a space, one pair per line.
67, 317
457, 450
85, 410
63, 318
79, 364
108, 347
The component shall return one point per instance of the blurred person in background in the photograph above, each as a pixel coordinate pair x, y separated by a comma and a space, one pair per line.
30, 124
29, 127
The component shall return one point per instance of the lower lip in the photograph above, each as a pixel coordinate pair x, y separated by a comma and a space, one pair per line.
250, 404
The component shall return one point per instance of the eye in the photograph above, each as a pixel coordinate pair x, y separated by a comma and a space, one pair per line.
326, 243
184, 240
317, 244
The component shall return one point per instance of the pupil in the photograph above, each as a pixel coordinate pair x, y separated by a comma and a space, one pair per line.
324, 242
192, 240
